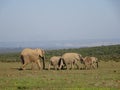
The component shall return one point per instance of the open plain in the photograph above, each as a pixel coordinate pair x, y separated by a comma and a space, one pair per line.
106, 77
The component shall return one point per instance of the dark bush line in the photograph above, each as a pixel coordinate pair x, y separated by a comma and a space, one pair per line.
104, 53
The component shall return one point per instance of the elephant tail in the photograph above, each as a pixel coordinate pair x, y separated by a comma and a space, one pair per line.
97, 64
22, 59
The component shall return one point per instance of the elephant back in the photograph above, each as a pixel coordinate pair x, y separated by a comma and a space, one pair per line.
27, 51
55, 59
70, 56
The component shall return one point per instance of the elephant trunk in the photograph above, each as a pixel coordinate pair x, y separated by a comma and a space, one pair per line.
97, 64
43, 62
22, 59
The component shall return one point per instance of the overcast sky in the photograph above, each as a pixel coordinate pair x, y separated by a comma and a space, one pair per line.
46, 20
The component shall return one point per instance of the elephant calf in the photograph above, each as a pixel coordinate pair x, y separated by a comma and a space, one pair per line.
90, 62
54, 61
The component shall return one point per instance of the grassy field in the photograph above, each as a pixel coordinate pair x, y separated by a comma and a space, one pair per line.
106, 77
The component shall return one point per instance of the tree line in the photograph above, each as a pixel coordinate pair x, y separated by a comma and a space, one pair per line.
105, 53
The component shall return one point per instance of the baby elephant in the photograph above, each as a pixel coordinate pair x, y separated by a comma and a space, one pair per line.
54, 61
90, 62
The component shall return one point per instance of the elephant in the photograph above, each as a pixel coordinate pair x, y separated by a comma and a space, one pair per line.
90, 62
70, 59
29, 55
54, 61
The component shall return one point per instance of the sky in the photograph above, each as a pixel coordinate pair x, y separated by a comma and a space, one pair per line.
49, 20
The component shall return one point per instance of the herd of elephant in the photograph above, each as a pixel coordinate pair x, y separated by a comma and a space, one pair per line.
66, 61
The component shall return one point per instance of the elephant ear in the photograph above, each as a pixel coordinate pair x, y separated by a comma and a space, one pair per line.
39, 52
43, 52
81, 58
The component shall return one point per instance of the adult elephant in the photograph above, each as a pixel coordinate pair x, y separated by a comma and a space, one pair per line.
90, 62
70, 59
32, 56
54, 61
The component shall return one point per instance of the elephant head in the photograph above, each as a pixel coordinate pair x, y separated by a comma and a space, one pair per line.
41, 54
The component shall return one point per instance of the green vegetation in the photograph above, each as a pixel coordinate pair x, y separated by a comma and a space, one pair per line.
104, 53
106, 77
10, 57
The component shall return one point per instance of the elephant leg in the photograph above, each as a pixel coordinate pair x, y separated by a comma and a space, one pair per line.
38, 64
93, 66
25, 62
49, 66
86, 67
32, 66
23, 67
82, 66
67, 66
77, 66
72, 66
55, 67
90, 66
60, 65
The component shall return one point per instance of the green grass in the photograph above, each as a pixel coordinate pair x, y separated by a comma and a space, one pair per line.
106, 77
